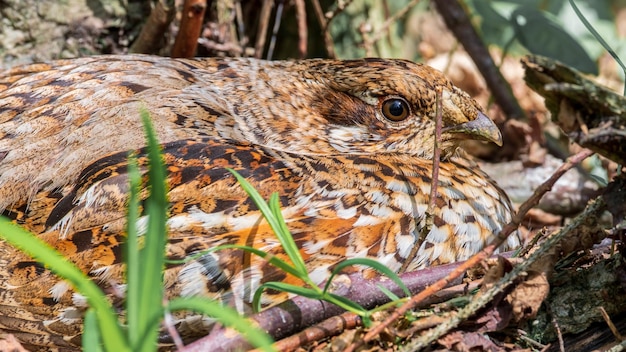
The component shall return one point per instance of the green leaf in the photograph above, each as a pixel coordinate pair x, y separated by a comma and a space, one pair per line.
274, 220
132, 258
226, 316
495, 27
392, 296
91, 340
285, 237
542, 35
152, 255
346, 304
277, 262
309, 292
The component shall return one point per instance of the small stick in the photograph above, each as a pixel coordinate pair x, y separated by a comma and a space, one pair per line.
434, 183
303, 30
558, 334
277, 20
341, 6
168, 322
384, 30
329, 327
610, 324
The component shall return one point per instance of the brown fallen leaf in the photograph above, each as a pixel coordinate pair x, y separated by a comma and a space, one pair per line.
528, 295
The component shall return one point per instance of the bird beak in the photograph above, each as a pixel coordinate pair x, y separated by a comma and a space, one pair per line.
481, 128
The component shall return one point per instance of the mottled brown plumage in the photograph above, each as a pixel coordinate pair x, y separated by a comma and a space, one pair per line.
347, 144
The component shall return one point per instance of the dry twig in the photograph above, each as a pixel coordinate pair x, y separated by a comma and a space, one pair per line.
277, 20
264, 20
384, 29
434, 182
610, 324
303, 30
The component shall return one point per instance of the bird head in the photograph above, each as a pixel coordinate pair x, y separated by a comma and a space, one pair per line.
371, 106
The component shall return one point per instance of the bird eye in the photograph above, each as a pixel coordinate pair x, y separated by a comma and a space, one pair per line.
395, 109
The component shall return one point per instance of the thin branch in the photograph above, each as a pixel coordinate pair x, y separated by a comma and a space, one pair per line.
277, 20
384, 30
329, 327
266, 12
341, 6
434, 183
303, 29
170, 326
241, 27
609, 323
328, 40
558, 333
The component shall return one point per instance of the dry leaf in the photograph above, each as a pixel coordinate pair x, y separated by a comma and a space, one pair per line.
528, 296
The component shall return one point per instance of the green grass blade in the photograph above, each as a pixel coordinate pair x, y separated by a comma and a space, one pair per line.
598, 38
132, 258
152, 256
284, 236
91, 340
285, 239
277, 262
309, 292
41, 252
227, 316
346, 304
392, 296
372, 264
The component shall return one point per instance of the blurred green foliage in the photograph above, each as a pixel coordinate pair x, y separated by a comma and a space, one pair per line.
544, 27
549, 28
